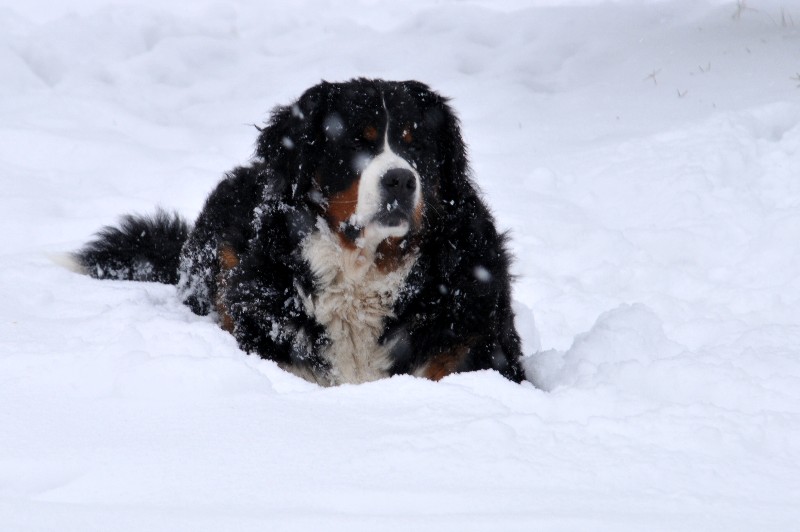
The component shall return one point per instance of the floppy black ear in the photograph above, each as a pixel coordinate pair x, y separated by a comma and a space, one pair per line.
290, 132
452, 154
455, 165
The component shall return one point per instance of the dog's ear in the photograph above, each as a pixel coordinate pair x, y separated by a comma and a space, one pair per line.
455, 165
452, 154
291, 131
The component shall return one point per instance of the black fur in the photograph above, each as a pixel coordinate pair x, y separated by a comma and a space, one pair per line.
456, 297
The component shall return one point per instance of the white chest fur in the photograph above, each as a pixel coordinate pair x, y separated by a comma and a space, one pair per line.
352, 299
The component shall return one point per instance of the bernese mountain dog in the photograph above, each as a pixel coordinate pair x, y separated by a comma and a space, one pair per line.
353, 246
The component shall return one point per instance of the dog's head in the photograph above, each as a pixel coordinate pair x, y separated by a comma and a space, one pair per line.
375, 159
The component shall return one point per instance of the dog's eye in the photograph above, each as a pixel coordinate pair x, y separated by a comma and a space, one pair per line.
370, 133
407, 137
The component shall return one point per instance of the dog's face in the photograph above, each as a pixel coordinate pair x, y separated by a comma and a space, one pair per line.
370, 156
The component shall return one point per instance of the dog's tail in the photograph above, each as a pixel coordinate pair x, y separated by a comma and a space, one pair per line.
140, 248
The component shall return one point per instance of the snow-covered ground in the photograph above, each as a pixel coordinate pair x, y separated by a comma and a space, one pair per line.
645, 156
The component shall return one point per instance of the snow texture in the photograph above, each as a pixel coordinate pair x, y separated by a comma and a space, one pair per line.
645, 157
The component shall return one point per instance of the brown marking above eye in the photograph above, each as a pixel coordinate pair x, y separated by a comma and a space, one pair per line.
370, 133
408, 138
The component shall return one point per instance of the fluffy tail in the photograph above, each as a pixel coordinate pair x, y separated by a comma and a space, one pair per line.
141, 248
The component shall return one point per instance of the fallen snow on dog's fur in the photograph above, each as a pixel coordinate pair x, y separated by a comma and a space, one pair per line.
644, 155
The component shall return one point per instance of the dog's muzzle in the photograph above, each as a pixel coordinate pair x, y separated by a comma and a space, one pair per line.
398, 188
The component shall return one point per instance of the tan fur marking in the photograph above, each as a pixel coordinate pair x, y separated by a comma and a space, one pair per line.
419, 212
389, 254
225, 320
445, 363
371, 133
342, 205
228, 259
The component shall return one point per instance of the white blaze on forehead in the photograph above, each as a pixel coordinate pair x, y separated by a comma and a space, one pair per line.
369, 188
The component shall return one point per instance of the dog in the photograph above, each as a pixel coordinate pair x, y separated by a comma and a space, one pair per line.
353, 246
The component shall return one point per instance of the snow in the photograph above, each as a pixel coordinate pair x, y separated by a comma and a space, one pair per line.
645, 157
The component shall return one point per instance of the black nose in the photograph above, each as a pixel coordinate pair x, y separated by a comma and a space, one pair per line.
399, 182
